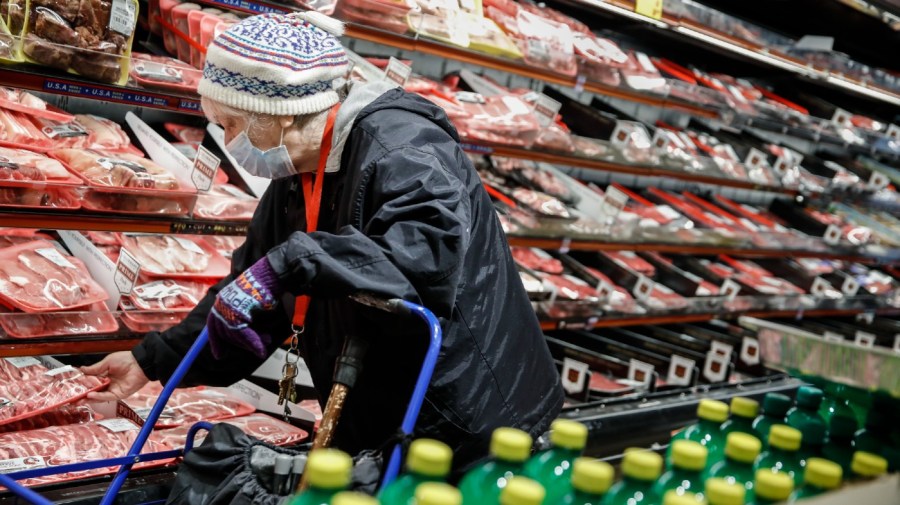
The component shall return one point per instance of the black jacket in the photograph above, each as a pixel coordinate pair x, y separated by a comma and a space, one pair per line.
406, 216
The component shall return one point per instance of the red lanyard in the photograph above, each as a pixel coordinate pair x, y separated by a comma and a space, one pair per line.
312, 198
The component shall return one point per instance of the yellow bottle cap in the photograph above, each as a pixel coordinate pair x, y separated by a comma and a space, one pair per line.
823, 473
522, 491
866, 464
437, 493
689, 455
673, 498
568, 434
722, 492
712, 410
642, 464
429, 457
775, 486
592, 476
351, 498
784, 437
742, 447
328, 469
510, 444
744, 407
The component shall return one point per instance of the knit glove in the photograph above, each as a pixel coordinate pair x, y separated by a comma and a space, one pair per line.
254, 291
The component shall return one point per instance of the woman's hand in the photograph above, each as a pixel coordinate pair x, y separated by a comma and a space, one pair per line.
124, 373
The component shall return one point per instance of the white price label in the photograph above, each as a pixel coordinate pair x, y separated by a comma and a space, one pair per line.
205, 165
681, 370
122, 17
53, 372
615, 198
841, 117
831, 336
750, 351
546, 109
622, 133
668, 212
832, 235
538, 49
645, 62
864, 339
604, 290
640, 373
565, 245
574, 375
643, 288
819, 287
515, 105
64, 130
755, 158
23, 361
715, 368
470, 97
722, 349
878, 181
189, 245
850, 287
53, 254
157, 71
729, 289
397, 71
893, 131
127, 270
782, 166
18, 464
117, 424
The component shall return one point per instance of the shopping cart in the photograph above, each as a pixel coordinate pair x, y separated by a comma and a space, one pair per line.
134, 456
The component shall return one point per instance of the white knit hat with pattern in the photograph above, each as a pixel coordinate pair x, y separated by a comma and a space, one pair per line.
279, 64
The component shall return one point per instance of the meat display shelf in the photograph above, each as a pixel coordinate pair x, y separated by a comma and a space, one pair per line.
82, 221
10, 348
42, 79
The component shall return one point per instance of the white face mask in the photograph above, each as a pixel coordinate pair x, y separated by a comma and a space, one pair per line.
273, 163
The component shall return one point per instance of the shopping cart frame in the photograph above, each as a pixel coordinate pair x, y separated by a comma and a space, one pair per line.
134, 456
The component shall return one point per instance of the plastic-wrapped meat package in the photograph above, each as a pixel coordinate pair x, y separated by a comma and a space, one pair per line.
631, 261
554, 138
640, 73
167, 294
619, 299
258, 425
15, 236
589, 148
87, 131
387, 15
163, 72
75, 413
569, 287
225, 201
74, 443
121, 170
543, 204
224, 244
171, 256
599, 59
546, 43
186, 406
441, 20
486, 37
22, 101
37, 277
454, 109
140, 321
324, 6
28, 388
95, 319
29, 179
506, 120
663, 298
574, 25
185, 133
536, 259
529, 173
875, 282
18, 130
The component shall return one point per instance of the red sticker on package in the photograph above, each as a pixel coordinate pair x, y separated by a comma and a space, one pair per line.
574, 375
681, 371
640, 373
750, 351
715, 368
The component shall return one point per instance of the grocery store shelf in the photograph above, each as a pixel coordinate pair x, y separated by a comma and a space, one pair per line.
83, 221
41, 79
10, 348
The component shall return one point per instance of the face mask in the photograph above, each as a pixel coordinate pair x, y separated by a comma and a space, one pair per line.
273, 163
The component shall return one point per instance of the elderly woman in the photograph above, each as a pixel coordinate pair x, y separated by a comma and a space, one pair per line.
370, 192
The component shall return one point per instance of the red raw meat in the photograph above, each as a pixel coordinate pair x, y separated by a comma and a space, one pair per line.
664, 298
76, 413
261, 426
22, 165
91, 320
167, 254
28, 390
544, 205
631, 261
536, 259
225, 202
506, 120
168, 294
224, 244
187, 405
570, 287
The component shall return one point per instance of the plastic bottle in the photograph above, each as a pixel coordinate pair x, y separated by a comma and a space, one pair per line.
639, 469
775, 407
428, 461
743, 414
820, 477
673, 498
835, 403
435, 493
781, 455
509, 450
553, 468
686, 472
840, 442
741, 451
805, 417
771, 487
722, 492
522, 491
327, 473
591, 480
351, 498
866, 465
875, 437
710, 416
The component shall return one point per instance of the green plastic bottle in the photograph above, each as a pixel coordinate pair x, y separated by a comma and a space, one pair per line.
522, 491
722, 492
781, 455
640, 468
434, 493
771, 487
867, 466
553, 468
428, 461
875, 437
510, 448
591, 480
707, 431
835, 403
775, 407
673, 498
805, 417
686, 471
820, 477
351, 498
743, 414
840, 442
741, 451
327, 473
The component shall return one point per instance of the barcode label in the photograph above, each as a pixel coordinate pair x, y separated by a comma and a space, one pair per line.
122, 17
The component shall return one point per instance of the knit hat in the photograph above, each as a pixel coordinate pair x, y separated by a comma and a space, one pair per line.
276, 64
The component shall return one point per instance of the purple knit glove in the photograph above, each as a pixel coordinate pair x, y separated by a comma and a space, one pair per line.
256, 290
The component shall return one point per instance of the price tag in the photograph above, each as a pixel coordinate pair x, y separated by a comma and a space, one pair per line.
470, 97
755, 159
127, 270
681, 370
750, 351
53, 254
546, 109
604, 290
645, 62
893, 131
864, 339
819, 287
24, 463
117, 424
189, 245
897, 342
841, 117
850, 287
397, 71
650, 8
23, 361
628, 132
729, 289
715, 368
865, 317
614, 201
668, 212
640, 373
832, 234
643, 288
878, 181
831, 336
574, 376
53, 372
205, 165
122, 16
538, 49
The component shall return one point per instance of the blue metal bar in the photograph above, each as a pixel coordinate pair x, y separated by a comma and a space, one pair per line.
155, 412
90, 465
192, 433
22, 491
418, 396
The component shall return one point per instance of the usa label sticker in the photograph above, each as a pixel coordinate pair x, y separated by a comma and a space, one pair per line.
864, 339
205, 165
750, 351
574, 375
546, 109
681, 370
715, 368
832, 235
397, 71
127, 270
640, 373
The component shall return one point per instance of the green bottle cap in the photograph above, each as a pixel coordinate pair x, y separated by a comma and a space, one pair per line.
809, 397
776, 404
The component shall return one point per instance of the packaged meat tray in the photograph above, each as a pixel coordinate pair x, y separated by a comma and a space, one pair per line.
486, 37
163, 72
125, 183
440, 20
28, 388
15, 236
174, 256
261, 426
143, 321
225, 245
225, 201
12, 12
91, 320
37, 277
542, 204
75, 413
387, 15
26, 103
18, 130
74, 443
185, 407
87, 131
85, 37
29, 179
167, 294
506, 120
546, 43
